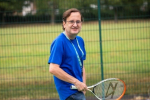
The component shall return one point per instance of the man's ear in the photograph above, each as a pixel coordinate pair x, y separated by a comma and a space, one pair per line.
64, 24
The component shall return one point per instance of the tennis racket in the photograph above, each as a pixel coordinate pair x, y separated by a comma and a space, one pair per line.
108, 89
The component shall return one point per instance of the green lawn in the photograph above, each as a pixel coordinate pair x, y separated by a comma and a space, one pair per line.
24, 52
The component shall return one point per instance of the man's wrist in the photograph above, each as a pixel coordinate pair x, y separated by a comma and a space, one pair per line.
75, 81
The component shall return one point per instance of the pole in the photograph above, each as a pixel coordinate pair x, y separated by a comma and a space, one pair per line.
101, 52
100, 37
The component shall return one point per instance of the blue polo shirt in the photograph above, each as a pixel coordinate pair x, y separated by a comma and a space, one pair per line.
63, 53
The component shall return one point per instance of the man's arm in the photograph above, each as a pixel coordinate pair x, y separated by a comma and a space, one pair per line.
59, 73
84, 78
84, 75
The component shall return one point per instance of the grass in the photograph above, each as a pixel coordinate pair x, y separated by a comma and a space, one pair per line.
24, 52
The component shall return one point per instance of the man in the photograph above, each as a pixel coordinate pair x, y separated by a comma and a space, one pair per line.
66, 58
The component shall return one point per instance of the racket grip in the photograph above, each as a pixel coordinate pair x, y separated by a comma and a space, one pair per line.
73, 87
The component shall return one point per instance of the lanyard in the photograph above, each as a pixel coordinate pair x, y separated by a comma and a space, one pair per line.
76, 50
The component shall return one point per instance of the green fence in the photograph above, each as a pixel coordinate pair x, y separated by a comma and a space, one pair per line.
117, 41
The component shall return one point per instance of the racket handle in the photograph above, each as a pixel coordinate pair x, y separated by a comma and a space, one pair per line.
73, 87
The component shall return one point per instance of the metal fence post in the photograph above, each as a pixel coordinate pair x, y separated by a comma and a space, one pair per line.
100, 37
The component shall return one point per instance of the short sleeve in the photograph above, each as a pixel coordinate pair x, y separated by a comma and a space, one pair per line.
56, 52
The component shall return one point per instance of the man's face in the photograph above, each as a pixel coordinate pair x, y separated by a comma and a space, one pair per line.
73, 24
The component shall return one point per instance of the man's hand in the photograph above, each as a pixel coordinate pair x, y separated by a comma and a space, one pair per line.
81, 86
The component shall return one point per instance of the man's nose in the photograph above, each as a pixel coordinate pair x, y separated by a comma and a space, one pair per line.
75, 24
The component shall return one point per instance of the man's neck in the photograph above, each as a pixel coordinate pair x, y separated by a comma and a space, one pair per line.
71, 37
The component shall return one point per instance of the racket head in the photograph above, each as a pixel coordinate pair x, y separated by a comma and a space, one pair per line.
109, 89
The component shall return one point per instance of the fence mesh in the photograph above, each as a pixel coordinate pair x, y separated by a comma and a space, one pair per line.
26, 36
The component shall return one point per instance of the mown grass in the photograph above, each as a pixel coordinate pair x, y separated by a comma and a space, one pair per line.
24, 52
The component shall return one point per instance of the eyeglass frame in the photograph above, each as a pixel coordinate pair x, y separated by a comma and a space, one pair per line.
73, 22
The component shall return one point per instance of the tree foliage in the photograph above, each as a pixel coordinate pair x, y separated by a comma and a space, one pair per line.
55, 8
11, 5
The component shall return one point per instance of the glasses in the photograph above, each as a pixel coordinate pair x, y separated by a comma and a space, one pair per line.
72, 22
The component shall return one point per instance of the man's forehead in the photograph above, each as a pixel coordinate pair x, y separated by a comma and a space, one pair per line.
75, 15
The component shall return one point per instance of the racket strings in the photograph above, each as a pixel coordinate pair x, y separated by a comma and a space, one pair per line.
109, 89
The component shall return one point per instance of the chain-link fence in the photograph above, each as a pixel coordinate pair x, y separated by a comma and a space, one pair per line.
117, 44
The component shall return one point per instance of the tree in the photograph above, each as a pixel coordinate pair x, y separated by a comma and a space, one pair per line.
128, 6
47, 7
9, 7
